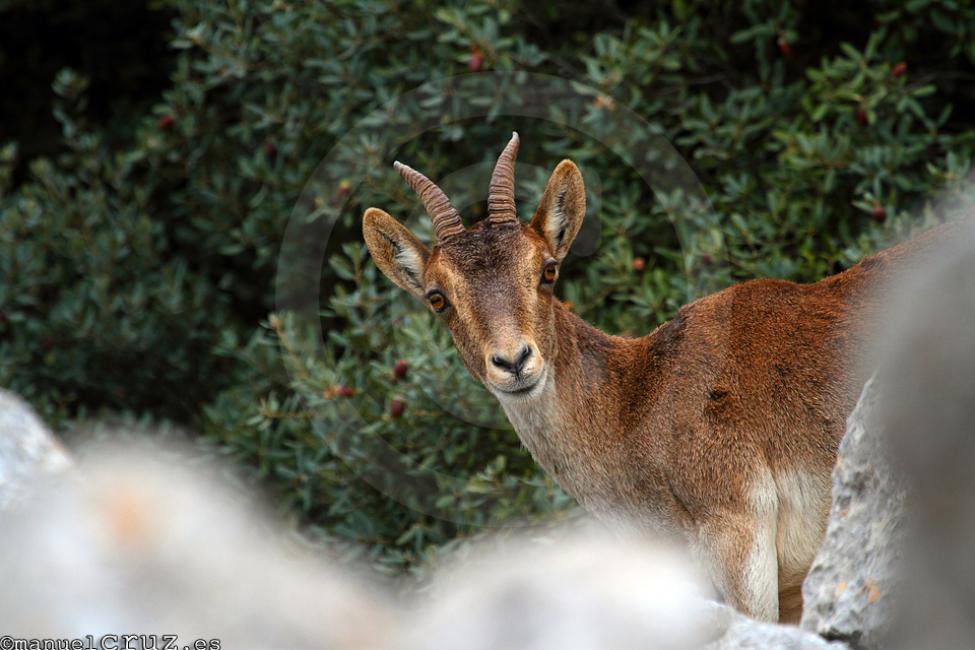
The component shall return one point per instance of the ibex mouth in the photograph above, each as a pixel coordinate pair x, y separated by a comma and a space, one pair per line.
522, 391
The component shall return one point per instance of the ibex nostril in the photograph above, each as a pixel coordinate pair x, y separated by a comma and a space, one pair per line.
500, 362
523, 356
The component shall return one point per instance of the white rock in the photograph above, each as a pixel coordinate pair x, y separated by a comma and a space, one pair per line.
585, 593
128, 545
27, 450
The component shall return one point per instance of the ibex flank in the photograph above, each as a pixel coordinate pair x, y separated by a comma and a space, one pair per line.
721, 426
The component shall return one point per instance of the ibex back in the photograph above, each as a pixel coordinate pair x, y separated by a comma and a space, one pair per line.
720, 426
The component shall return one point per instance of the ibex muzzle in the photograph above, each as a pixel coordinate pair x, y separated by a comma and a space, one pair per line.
720, 426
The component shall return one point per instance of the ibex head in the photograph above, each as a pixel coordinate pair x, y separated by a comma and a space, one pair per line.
492, 283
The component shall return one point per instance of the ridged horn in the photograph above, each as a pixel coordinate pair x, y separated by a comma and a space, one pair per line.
446, 219
501, 195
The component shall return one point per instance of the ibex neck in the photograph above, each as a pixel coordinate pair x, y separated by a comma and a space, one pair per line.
587, 360
570, 427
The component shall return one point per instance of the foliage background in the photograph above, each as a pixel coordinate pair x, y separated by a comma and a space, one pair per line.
152, 154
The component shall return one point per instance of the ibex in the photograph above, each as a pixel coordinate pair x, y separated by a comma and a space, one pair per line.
720, 426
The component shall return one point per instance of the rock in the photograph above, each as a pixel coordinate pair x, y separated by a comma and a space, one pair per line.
126, 543
27, 450
581, 593
847, 594
748, 634
929, 381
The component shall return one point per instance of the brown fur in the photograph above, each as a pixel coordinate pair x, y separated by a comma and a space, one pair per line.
720, 427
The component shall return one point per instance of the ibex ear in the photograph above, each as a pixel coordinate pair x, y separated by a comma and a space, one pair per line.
562, 208
395, 250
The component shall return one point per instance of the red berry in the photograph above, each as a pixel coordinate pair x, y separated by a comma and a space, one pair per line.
898, 69
270, 149
397, 407
785, 48
862, 117
345, 187
346, 391
165, 122
604, 102
879, 213
476, 61
399, 370
639, 264
705, 259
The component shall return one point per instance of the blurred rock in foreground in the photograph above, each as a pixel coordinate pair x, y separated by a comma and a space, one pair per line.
929, 383
581, 591
27, 450
129, 545
585, 593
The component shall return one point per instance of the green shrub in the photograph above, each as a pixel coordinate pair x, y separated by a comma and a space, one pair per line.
135, 274
96, 310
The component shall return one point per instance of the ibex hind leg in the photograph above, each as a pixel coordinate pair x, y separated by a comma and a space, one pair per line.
740, 550
790, 605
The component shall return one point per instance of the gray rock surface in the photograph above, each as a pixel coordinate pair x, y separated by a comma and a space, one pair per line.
585, 593
848, 592
27, 450
127, 544
582, 590
929, 388
747, 634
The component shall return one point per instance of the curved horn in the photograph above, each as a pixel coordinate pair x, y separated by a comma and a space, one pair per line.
446, 219
501, 195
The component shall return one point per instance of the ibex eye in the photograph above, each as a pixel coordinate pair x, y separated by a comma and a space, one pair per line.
550, 272
437, 300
